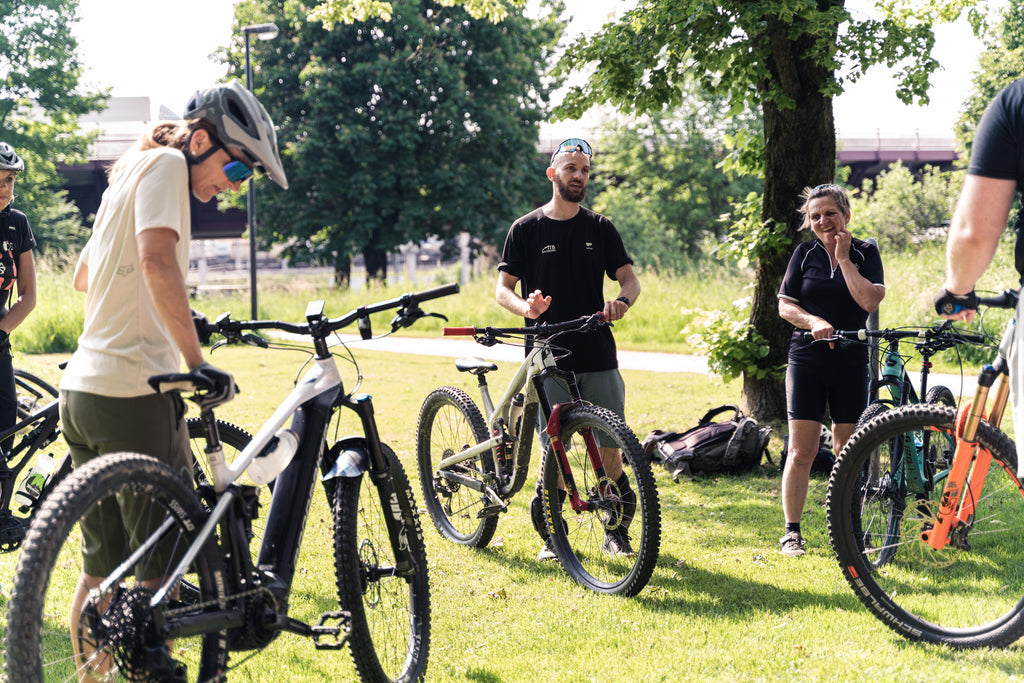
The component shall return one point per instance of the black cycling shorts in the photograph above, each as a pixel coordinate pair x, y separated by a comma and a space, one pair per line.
843, 387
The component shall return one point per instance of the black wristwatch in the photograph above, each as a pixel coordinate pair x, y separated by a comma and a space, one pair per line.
624, 300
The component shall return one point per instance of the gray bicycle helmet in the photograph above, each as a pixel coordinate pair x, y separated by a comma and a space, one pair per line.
9, 159
242, 122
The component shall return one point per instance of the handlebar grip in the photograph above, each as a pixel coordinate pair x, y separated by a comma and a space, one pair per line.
1005, 299
454, 331
437, 292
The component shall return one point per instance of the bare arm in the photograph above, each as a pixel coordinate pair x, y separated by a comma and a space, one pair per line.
978, 222
629, 287
26, 300
531, 307
795, 315
865, 294
81, 279
166, 285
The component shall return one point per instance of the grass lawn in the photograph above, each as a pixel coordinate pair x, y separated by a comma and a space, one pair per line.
723, 604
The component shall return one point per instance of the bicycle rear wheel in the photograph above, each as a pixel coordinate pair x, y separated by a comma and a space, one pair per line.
969, 594
33, 393
449, 423
119, 622
585, 541
233, 440
390, 637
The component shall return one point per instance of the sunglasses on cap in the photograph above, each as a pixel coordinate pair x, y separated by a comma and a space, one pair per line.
573, 145
236, 170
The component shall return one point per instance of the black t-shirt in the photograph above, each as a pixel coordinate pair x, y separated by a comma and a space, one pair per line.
811, 283
567, 260
998, 148
15, 238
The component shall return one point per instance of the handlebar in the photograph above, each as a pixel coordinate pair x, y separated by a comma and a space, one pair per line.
1005, 299
318, 327
940, 336
585, 323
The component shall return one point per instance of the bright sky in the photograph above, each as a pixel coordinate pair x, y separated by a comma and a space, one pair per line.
150, 48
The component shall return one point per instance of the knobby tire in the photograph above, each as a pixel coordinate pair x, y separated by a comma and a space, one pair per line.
578, 537
390, 637
450, 422
966, 595
38, 640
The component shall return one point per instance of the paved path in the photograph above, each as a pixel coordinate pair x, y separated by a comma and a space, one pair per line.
628, 360
467, 348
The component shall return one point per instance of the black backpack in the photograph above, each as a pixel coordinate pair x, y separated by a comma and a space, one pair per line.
824, 459
727, 447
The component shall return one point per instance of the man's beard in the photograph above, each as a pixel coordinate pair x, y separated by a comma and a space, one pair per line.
570, 194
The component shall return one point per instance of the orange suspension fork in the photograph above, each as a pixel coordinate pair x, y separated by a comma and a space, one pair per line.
966, 430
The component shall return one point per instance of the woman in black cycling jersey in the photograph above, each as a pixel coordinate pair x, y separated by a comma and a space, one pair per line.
832, 283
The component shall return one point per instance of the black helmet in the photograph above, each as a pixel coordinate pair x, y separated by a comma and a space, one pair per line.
9, 159
242, 122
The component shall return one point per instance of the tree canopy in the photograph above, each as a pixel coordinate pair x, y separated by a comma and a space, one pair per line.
393, 131
998, 66
40, 102
787, 57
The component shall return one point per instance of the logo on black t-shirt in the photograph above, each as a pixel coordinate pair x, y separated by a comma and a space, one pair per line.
549, 249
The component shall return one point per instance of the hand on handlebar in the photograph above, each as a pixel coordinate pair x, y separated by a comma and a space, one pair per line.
221, 384
822, 329
956, 306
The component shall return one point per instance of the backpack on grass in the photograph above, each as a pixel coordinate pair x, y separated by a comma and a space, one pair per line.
726, 447
824, 459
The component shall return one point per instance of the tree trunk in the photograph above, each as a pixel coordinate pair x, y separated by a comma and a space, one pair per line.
343, 272
800, 151
376, 260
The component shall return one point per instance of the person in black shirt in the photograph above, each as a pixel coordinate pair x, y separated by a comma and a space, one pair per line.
17, 268
831, 283
560, 254
995, 176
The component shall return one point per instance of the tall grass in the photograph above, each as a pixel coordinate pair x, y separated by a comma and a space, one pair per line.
653, 324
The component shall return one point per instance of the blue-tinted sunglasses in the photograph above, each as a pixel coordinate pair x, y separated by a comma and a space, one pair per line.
236, 170
573, 145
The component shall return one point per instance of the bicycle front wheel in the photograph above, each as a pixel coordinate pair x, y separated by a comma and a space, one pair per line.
611, 544
450, 423
114, 636
390, 612
968, 594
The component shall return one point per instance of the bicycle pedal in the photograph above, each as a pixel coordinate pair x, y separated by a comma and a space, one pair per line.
491, 511
343, 629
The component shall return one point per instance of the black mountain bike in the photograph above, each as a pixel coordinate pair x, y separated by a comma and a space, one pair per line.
188, 593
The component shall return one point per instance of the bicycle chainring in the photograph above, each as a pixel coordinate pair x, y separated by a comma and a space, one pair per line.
12, 532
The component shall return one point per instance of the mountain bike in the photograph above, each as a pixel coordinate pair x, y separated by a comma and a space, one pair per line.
38, 425
956, 577
186, 591
922, 466
895, 378
470, 468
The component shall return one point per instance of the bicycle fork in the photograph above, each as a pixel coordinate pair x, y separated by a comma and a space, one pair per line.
554, 431
964, 483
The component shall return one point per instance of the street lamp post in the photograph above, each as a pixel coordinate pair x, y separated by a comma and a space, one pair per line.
263, 32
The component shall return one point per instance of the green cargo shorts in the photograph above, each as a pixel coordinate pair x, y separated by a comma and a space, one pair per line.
99, 425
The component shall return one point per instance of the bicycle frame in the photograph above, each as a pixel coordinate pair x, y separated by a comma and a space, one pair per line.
310, 405
538, 365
